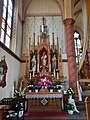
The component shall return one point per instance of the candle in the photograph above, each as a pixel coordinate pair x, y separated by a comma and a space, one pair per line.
33, 73
30, 75
12, 91
57, 76
54, 72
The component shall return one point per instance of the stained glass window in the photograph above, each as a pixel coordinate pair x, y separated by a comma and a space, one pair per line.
6, 26
78, 47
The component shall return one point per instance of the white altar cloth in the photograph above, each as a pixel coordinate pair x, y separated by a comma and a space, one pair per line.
45, 95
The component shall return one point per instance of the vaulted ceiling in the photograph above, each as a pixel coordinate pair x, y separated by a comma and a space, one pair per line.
78, 11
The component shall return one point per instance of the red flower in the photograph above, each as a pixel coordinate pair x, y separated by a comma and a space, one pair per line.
43, 80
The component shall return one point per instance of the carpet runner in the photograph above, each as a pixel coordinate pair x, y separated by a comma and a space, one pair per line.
46, 114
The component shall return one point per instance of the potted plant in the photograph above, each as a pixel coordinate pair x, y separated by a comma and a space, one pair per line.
50, 87
30, 87
70, 108
37, 88
70, 92
59, 88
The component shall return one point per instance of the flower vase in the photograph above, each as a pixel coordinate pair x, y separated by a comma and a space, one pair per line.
36, 90
59, 90
51, 90
70, 112
30, 90
70, 96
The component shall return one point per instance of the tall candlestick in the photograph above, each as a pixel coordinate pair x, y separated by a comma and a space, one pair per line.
30, 75
33, 73
54, 73
12, 91
38, 39
57, 76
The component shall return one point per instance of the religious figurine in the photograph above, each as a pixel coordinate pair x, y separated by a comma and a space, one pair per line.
54, 62
33, 63
44, 59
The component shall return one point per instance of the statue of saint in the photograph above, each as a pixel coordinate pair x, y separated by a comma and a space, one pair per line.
44, 59
54, 62
33, 63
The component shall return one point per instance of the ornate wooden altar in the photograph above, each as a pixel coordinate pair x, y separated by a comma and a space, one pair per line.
44, 58
44, 64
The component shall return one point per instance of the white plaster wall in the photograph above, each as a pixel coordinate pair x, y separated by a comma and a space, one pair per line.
19, 39
12, 74
52, 10
19, 30
65, 69
32, 24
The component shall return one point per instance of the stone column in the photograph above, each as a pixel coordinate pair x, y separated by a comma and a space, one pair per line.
70, 48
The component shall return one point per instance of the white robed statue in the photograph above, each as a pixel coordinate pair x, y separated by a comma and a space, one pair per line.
33, 63
79, 91
54, 62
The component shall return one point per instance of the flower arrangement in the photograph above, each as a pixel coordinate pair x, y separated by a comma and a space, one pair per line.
58, 87
70, 106
30, 87
70, 91
43, 81
37, 87
50, 87
20, 92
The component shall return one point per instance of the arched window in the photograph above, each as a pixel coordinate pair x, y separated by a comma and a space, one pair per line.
7, 19
78, 47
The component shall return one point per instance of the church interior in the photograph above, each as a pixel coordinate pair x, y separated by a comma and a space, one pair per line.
44, 59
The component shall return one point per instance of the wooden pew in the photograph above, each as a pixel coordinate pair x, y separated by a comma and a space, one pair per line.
87, 104
2, 109
14, 107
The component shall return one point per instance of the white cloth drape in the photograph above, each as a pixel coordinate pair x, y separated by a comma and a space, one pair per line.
79, 91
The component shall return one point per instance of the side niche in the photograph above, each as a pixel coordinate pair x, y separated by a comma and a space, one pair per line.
3, 71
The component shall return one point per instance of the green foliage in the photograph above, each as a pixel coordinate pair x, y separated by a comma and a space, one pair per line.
70, 106
56, 82
31, 82
70, 91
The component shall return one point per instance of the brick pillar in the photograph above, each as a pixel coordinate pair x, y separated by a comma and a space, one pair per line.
70, 49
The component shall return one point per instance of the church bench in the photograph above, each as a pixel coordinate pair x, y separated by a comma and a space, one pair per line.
87, 104
17, 108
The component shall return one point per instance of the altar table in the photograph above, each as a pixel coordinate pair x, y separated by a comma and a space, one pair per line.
45, 100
